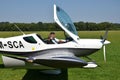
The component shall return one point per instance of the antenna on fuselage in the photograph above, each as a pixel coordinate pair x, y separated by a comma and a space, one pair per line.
19, 29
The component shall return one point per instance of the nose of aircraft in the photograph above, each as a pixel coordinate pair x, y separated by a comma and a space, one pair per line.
107, 42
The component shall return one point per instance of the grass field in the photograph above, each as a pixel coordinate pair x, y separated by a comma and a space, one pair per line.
106, 71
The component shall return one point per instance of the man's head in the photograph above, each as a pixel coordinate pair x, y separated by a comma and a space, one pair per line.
52, 35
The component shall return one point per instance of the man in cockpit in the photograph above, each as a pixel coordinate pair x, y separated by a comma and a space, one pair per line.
52, 40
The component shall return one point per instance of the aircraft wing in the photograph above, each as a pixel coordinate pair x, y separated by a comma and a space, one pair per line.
61, 62
56, 61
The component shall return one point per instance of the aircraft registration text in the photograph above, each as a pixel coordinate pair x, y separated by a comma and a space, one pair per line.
10, 44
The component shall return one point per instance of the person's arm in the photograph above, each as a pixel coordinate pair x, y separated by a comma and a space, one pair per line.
60, 41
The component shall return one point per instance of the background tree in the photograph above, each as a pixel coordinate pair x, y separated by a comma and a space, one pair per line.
91, 26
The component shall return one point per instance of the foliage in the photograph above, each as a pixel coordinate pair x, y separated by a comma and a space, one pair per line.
6, 26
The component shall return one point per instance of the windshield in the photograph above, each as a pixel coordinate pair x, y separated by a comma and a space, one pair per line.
66, 21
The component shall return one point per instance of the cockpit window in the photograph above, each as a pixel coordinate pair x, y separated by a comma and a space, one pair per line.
30, 39
66, 21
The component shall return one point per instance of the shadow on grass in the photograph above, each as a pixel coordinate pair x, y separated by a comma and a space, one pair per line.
37, 75
1, 66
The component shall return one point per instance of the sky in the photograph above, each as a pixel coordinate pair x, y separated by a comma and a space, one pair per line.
27, 11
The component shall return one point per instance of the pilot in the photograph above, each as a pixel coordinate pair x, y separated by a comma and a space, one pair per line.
52, 40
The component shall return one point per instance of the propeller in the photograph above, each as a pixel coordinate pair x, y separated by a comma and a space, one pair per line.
104, 42
105, 36
104, 53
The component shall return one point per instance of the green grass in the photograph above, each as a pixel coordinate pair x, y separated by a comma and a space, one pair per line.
107, 71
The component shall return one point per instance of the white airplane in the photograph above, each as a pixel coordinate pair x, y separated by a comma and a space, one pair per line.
30, 51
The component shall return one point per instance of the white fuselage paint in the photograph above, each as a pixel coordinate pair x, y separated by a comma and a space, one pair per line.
18, 44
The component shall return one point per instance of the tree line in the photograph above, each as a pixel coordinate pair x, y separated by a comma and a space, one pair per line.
80, 26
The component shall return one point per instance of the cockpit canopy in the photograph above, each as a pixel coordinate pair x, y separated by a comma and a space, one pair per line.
65, 20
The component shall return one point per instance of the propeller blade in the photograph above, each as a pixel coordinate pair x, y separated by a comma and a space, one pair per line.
104, 53
105, 36
104, 42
